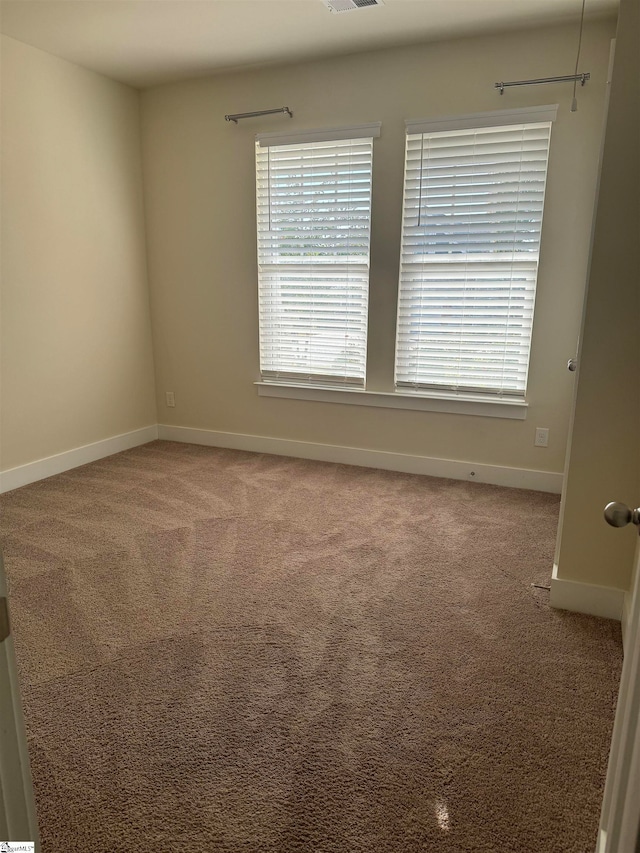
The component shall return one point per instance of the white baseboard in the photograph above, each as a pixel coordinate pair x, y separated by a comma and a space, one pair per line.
602, 841
605, 601
519, 478
13, 478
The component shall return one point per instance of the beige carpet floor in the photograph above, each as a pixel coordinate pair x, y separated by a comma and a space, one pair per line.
223, 651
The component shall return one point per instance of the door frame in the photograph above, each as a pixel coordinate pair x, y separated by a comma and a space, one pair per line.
620, 816
18, 820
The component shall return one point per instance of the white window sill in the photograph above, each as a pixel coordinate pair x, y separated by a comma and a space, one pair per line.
460, 404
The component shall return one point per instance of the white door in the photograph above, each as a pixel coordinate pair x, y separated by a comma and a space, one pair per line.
620, 817
17, 809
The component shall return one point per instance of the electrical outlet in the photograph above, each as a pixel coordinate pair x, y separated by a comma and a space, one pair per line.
542, 437
171, 399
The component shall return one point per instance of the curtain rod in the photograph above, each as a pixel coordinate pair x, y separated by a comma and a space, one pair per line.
237, 116
581, 77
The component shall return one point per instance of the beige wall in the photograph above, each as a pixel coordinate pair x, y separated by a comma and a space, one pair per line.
200, 203
604, 462
76, 343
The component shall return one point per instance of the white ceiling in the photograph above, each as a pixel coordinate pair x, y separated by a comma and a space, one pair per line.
147, 42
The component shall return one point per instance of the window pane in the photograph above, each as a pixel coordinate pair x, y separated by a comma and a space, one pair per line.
472, 217
314, 215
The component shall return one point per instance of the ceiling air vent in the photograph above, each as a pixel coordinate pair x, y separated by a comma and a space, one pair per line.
336, 6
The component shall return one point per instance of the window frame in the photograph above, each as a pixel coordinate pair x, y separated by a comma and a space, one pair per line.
476, 121
432, 400
270, 370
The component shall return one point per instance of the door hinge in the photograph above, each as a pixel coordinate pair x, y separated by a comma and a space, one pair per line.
5, 628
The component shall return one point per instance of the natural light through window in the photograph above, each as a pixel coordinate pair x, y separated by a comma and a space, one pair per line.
472, 219
314, 222
442, 814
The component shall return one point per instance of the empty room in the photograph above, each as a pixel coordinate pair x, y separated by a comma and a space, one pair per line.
319, 419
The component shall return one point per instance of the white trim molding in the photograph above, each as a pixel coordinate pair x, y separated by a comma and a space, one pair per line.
519, 478
457, 404
17, 807
22, 475
328, 134
493, 118
626, 621
605, 601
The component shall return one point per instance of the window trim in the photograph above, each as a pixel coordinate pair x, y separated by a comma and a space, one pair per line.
493, 118
446, 403
545, 114
327, 134
472, 403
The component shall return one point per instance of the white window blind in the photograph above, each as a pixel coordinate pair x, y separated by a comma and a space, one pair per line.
314, 215
473, 202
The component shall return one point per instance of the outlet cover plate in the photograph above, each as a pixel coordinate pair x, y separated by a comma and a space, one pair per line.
542, 437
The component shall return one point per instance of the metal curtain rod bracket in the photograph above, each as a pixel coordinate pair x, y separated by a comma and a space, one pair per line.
566, 79
238, 116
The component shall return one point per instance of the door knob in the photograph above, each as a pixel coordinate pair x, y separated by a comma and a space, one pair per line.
572, 365
619, 515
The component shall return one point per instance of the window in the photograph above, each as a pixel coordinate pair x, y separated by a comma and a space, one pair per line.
472, 216
314, 218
